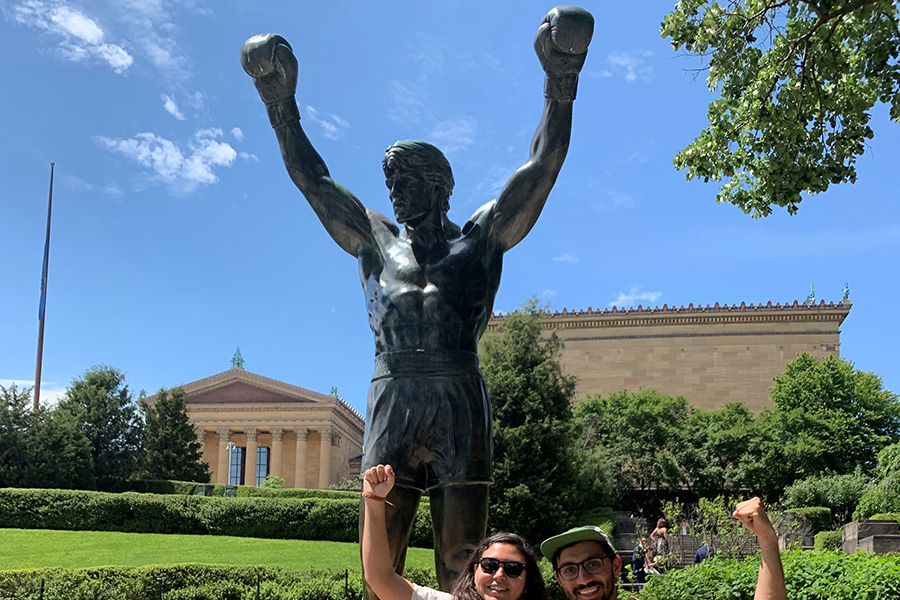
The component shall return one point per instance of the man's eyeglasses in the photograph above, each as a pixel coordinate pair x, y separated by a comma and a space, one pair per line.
592, 566
512, 568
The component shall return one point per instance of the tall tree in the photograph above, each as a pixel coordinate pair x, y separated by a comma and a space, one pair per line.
639, 434
15, 421
59, 454
171, 449
798, 80
861, 416
715, 442
102, 405
538, 489
42, 448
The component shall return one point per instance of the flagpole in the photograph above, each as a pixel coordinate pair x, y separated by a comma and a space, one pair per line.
42, 308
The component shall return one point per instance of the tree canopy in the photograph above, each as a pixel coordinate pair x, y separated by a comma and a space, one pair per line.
171, 449
798, 80
538, 488
102, 405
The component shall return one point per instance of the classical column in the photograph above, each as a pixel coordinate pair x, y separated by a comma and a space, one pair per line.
324, 458
223, 466
250, 465
300, 466
277, 438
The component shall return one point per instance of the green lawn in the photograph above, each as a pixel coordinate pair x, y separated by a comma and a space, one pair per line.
37, 548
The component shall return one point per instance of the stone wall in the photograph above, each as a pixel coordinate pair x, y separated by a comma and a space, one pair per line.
711, 355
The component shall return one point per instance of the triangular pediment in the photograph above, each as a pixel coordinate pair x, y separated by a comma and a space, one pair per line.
237, 386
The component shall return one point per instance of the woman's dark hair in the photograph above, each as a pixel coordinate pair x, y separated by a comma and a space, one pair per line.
662, 523
464, 587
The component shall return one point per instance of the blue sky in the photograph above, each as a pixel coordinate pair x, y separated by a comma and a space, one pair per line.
178, 236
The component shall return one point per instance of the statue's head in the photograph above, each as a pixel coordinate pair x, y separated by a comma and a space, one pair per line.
419, 177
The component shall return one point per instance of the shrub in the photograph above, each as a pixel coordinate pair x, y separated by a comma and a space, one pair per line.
811, 575
285, 518
812, 519
603, 517
840, 493
893, 516
148, 486
189, 582
829, 540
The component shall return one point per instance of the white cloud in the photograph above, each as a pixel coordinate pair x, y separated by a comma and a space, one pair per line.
82, 37
407, 102
566, 258
628, 66
171, 107
237, 133
78, 185
632, 296
183, 171
454, 134
248, 156
333, 126
611, 200
51, 392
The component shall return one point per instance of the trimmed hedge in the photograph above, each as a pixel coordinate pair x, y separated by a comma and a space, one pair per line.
186, 488
333, 520
811, 575
181, 582
829, 540
893, 516
817, 518
303, 518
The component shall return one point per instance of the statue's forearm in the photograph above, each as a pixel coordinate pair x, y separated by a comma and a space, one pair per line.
303, 163
551, 140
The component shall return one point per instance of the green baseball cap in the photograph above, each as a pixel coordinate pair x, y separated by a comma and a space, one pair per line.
552, 545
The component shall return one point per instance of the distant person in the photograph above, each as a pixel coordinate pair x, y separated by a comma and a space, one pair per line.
586, 565
707, 550
639, 561
660, 537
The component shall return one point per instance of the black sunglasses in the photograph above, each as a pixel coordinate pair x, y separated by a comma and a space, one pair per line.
512, 568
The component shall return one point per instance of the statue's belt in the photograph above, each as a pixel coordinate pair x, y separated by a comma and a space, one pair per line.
424, 363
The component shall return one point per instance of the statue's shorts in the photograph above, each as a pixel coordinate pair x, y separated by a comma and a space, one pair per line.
428, 416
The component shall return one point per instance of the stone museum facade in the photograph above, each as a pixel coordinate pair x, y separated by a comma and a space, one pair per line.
711, 355
251, 426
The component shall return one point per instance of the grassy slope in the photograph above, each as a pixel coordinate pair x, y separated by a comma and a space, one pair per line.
37, 548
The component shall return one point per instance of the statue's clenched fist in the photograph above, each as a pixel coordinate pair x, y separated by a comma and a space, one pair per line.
562, 40
270, 61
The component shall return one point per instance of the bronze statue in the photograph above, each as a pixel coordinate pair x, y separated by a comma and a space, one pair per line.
430, 288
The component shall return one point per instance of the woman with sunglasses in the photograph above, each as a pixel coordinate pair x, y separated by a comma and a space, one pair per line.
501, 567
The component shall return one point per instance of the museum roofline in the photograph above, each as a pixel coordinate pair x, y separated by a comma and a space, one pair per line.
670, 315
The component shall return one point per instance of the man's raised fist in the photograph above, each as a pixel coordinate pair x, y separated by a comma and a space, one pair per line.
270, 61
562, 40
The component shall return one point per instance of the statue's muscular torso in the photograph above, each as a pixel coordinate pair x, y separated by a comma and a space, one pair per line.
439, 299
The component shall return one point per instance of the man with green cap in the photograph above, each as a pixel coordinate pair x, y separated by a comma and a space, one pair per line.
586, 565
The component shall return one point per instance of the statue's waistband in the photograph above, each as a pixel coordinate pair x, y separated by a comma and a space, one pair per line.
424, 363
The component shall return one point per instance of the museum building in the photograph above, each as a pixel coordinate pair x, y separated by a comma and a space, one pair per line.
250, 426
711, 355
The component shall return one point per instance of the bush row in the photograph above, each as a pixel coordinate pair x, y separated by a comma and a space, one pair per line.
187, 488
811, 575
188, 582
281, 518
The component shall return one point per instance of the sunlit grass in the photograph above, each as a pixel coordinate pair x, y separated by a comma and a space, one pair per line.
38, 548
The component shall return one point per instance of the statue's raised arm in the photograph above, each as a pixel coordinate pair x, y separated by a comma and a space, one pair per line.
270, 61
561, 44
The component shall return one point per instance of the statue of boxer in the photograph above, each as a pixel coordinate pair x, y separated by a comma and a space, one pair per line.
429, 288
